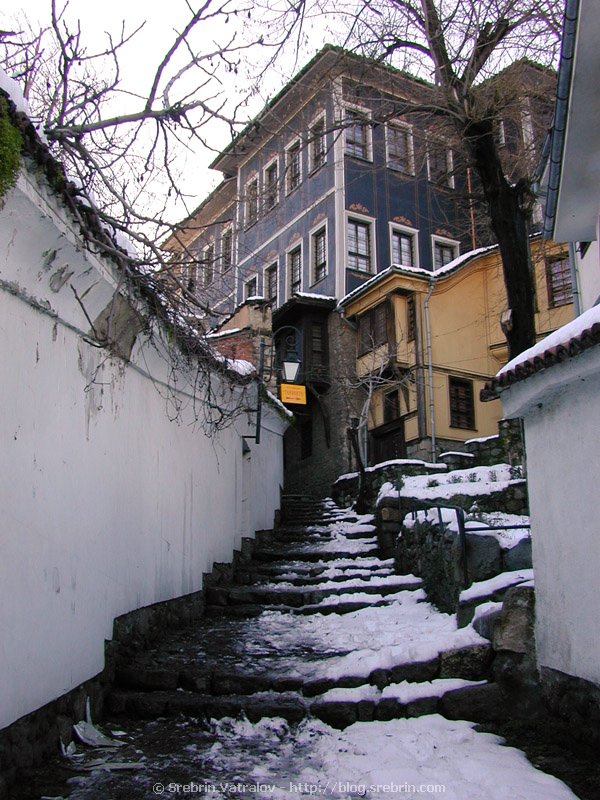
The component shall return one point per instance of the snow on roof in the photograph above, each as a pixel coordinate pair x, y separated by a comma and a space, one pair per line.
570, 340
314, 296
432, 275
13, 90
220, 334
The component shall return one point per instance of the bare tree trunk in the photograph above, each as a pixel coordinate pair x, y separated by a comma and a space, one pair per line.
509, 209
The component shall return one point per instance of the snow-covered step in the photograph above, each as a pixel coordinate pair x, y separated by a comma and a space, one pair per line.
342, 707
490, 590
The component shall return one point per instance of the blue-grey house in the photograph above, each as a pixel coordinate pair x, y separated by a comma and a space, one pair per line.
331, 184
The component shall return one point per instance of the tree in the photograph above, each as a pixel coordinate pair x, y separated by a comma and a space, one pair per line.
465, 44
113, 157
124, 148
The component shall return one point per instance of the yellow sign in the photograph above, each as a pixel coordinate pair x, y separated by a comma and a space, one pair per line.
293, 393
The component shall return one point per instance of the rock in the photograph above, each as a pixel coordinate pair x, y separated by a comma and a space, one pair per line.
518, 557
147, 678
483, 703
416, 671
484, 556
484, 624
514, 629
470, 662
338, 714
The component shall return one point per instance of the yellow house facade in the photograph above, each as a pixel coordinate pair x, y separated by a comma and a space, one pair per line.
427, 342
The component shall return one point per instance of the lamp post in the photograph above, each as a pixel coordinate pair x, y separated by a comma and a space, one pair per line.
290, 367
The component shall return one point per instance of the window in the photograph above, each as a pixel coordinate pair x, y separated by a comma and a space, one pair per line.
317, 353
295, 270
207, 266
391, 406
251, 202
559, 280
251, 288
319, 255
411, 318
462, 411
190, 276
444, 252
270, 283
403, 249
399, 148
373, 328
440, 164
226, 250
317, 150
293, 166
357, 134
359, 245
271, 186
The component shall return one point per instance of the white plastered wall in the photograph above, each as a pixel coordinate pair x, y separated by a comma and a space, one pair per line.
561, 409
105, 504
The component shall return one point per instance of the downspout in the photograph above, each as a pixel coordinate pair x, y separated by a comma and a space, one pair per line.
430, 371
575, 279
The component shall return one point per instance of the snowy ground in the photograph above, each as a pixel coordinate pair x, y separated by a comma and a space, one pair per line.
409, 758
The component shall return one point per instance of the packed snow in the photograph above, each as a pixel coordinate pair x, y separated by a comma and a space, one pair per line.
495, 584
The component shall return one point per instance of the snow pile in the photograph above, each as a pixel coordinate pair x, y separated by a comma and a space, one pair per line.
473, 481
477, 523
420, 757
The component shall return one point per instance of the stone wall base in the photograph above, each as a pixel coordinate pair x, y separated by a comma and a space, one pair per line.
574, 700
36, 736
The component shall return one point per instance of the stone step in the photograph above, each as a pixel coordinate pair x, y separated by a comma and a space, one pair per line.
453, 698
487, 591
478, 701
308, 554
303, 595
150, 705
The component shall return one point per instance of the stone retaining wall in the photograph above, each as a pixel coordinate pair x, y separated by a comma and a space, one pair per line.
345, 490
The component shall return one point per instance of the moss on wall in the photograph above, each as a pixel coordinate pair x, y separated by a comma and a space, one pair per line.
11, 143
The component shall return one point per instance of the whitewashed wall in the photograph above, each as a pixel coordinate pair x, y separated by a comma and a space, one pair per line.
105, 505
561, 409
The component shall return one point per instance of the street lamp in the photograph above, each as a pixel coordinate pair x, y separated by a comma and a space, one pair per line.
290, 367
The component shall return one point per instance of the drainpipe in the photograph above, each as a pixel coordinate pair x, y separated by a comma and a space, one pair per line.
574, 279
430, 370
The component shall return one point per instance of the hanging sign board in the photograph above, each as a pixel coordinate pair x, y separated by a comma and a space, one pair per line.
293, 393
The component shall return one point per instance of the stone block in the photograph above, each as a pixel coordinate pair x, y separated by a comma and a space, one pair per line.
416, 671
471, 663
483, 703
514, 630
337, 714
485, 623
391, 514
484, 556
518, 557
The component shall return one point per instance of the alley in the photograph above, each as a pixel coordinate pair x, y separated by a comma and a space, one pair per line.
318, 671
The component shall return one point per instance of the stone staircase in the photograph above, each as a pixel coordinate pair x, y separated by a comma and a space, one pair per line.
306, 625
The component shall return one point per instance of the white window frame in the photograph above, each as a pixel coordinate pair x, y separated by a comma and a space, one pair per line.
266, 207
204, 283
266, 271
442, 240
367, 114
298, 245
312, 166
411, 148
248, 222
246, 282
449, 184
394, 227
295, 144
227, 230
351, 215
322, 226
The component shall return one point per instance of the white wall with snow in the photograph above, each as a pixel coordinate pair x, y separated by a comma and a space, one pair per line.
105, 504
561, 409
